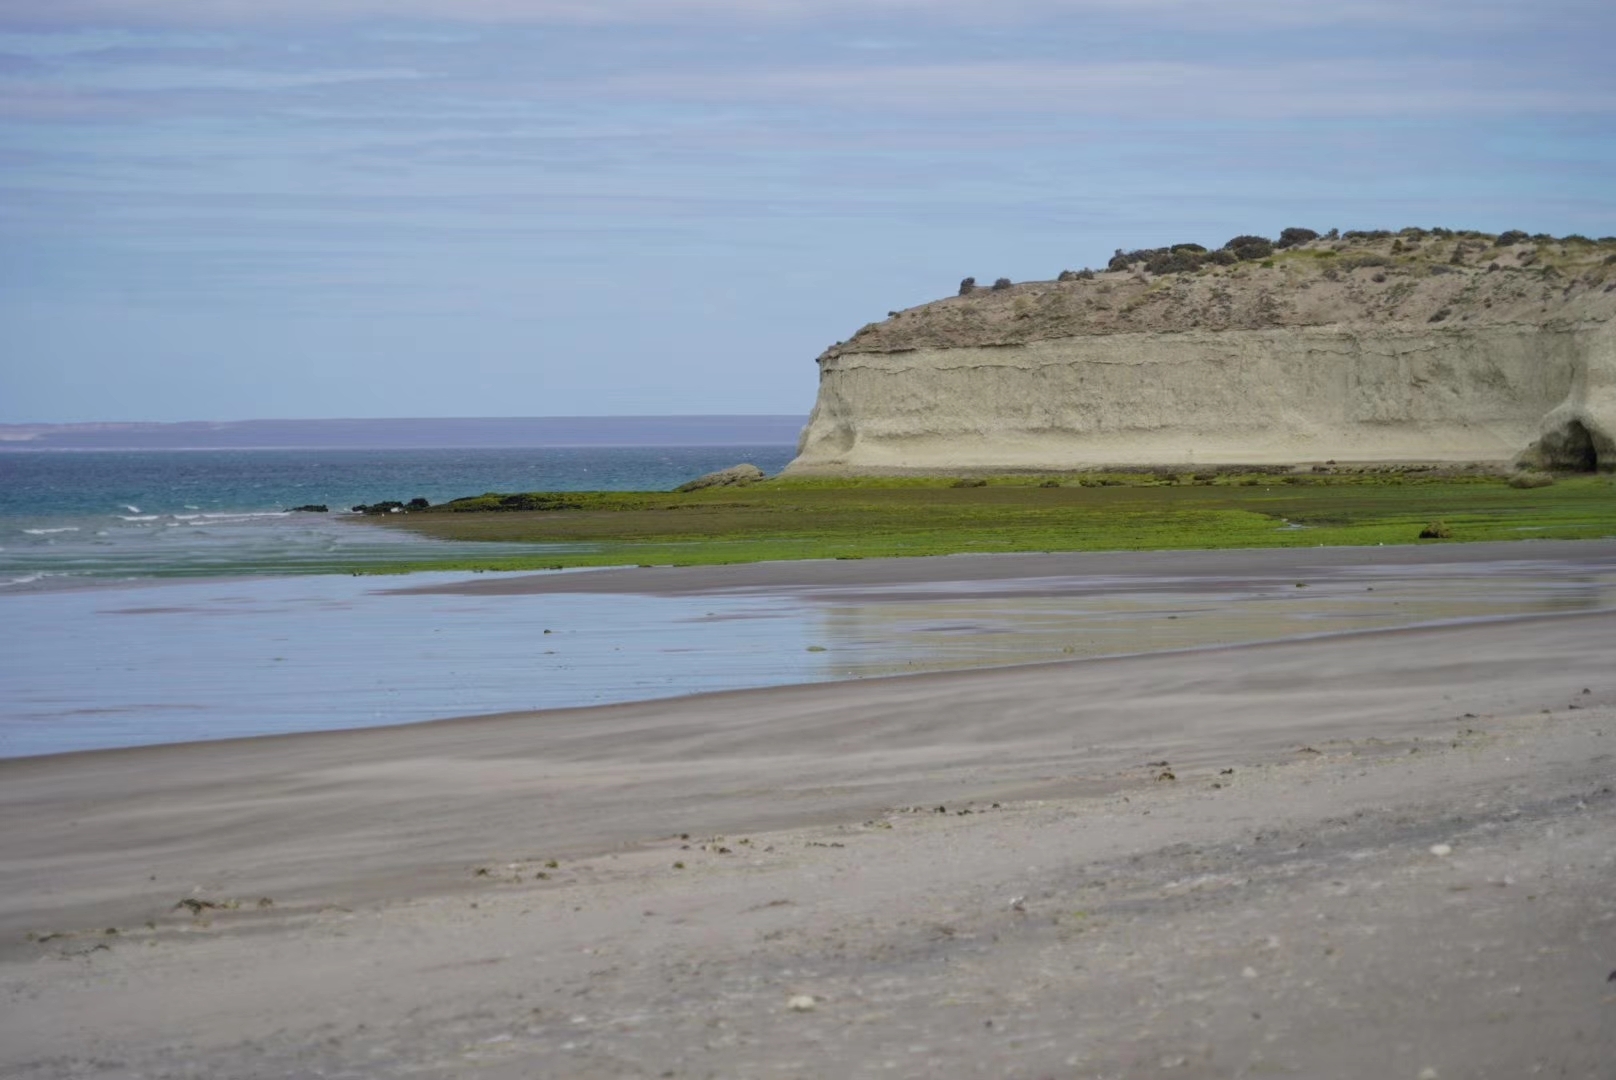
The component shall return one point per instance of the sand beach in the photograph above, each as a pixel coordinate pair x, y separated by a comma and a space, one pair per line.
1385, 853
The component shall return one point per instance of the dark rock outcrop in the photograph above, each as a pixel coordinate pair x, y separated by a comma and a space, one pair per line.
734, 476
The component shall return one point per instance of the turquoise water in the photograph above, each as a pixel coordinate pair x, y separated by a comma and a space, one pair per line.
68, 517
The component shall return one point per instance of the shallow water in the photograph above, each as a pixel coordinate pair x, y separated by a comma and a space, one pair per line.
70, 517
150, 663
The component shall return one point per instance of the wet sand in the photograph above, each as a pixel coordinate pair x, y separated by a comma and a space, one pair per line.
1370, 854
168, 662
982, 572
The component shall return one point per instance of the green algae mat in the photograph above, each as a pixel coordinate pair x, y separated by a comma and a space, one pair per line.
873, 518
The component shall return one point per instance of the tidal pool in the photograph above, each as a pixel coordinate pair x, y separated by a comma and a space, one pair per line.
161, 662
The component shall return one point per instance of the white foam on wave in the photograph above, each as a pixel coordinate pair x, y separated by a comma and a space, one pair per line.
242, 515
137, 517
26, 579
51, 532
131, 509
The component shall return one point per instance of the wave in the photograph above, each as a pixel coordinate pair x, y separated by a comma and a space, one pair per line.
138, 517
131, 509
51, 532
26, 579
240, 515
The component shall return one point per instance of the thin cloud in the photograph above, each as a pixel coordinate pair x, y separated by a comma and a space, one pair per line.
214, 78
134, 13
38, 43
33, 102
1156, 90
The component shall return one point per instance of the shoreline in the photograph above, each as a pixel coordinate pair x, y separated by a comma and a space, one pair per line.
174, 662
1063, 868
1004, 566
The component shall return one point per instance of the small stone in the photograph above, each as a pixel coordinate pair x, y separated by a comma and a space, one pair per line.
1248, 973
802, 1003
1428, 1073
1440, 850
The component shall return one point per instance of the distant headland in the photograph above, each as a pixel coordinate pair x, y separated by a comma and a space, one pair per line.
419, 433
1421, 345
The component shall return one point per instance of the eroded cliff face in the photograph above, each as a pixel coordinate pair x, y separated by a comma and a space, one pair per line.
1307, 360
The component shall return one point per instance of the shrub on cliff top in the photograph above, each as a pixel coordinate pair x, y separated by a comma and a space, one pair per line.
1513, 236
1293, 236
1001, 284
1247, 248
967, 286
1173, 262
1124, 259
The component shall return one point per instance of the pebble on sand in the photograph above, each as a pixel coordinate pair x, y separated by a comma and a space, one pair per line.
802, 1003
1441, 849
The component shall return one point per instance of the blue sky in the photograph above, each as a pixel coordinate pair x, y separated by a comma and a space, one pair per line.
233, 209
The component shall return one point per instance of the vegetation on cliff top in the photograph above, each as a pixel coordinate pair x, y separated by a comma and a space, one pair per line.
1451, 279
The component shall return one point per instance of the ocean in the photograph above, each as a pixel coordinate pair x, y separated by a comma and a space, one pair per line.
70, 517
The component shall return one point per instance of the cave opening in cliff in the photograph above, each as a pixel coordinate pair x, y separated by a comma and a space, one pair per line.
1574, 449
1580, 453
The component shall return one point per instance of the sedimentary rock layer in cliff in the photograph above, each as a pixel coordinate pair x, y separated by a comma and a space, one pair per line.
1450, 348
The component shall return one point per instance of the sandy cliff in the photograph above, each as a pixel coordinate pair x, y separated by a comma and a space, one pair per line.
1387, 348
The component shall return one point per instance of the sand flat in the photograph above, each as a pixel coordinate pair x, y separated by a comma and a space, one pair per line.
981, 571
1408, 868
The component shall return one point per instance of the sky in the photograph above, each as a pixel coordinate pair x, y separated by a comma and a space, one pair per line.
239, 209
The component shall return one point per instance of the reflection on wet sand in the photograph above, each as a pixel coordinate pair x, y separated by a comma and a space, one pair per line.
1053, 619
170, 662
